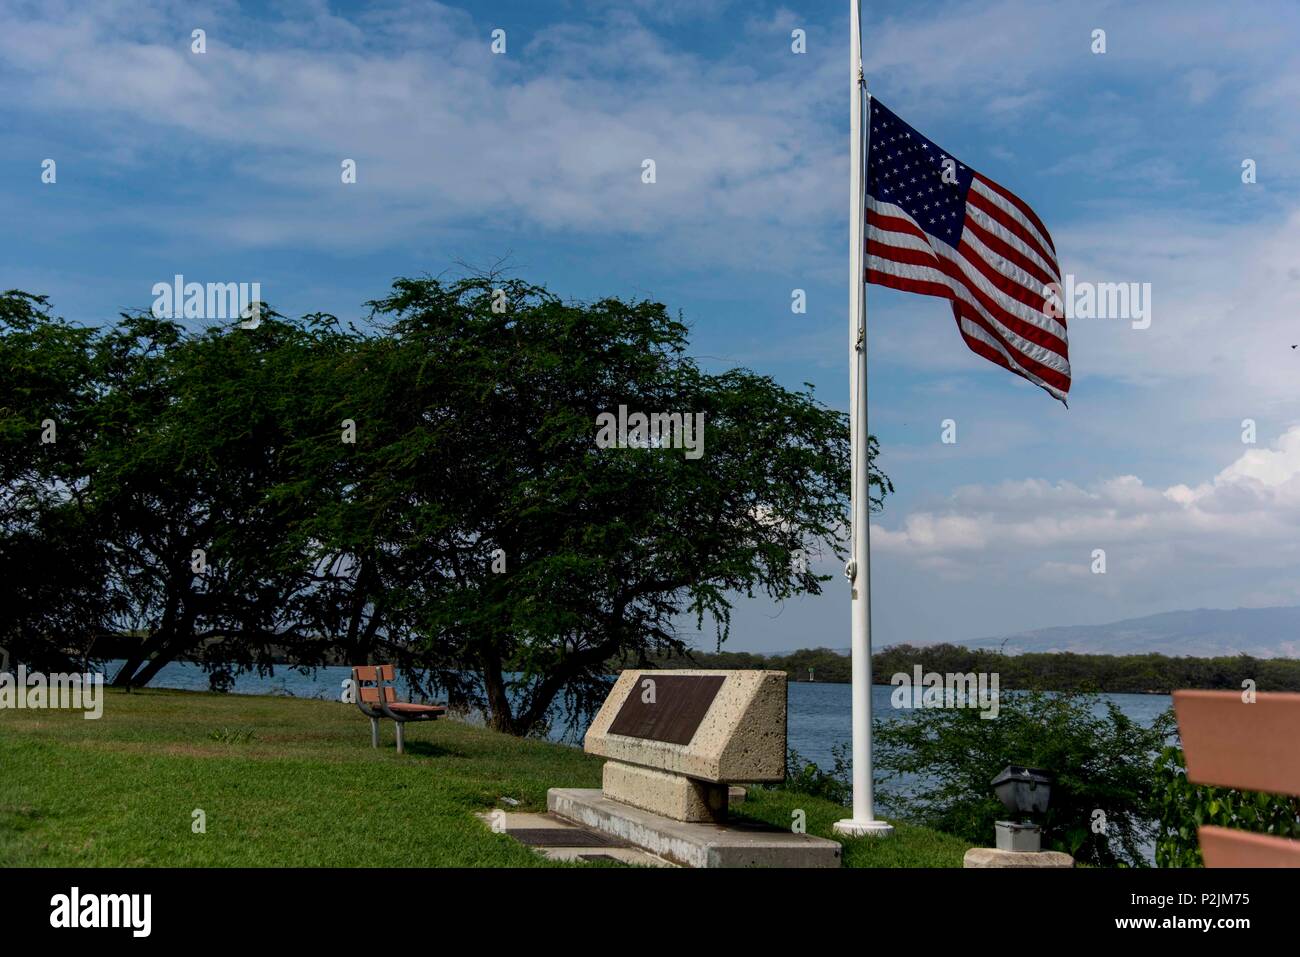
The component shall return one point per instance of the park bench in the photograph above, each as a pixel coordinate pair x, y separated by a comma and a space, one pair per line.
1252, 747
377, 698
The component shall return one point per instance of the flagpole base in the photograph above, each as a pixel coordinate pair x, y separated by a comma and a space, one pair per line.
851, 828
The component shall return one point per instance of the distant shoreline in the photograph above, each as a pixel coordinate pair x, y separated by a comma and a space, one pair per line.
805, 681
1145, 674
1150, 674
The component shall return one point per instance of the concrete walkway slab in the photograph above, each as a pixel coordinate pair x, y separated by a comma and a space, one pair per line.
569, 843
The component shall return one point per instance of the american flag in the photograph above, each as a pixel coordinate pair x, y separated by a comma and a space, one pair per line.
964, 238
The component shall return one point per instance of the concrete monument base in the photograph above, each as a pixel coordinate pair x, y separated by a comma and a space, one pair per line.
689, 843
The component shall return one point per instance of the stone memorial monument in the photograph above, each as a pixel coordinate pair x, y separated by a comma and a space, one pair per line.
674, 741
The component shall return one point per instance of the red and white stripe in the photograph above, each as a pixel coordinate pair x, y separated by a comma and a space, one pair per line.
994, 278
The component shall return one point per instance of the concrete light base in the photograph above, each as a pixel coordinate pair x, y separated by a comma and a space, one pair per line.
692, 844
992, 857
851, 828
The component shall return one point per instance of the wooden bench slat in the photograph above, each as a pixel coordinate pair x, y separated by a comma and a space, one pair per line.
1225, 847
373, 672
1229, 743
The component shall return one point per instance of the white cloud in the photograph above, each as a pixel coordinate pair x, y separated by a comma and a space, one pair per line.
1249, 512
549, 137
1269, 467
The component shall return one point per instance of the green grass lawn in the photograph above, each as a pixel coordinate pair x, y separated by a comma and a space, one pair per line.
288, 782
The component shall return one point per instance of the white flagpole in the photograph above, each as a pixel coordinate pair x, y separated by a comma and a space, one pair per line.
863, 821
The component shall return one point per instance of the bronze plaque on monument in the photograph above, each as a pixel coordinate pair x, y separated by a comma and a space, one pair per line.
678, 705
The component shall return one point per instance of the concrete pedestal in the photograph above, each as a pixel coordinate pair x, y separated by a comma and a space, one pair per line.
992, 857
674, 796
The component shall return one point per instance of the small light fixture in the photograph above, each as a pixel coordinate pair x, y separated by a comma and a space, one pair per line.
1022, 791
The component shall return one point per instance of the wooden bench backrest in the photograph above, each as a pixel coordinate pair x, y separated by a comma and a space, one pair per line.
1253, 747
370, 678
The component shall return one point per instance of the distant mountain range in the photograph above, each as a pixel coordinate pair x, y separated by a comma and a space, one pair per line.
1201, 633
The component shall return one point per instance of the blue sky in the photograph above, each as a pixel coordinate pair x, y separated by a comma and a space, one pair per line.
224, 166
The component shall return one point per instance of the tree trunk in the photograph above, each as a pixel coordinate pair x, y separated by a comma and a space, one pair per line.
129, 667
154, 643
161, 659
499, 716
181, 642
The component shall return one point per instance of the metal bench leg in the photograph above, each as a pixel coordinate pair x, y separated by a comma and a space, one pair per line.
374, 732
400, 725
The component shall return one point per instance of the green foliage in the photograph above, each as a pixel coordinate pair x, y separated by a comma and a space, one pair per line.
806, 777
52, 577
201, 501
825, 664
231, 735
939, 763
1180, 807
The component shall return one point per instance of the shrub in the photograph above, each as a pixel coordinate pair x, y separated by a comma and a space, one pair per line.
805, 777
1180, 807
939, 763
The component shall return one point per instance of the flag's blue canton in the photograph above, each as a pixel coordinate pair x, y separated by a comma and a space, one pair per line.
906, 169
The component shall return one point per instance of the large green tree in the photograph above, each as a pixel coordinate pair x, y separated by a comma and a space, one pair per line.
479, 431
